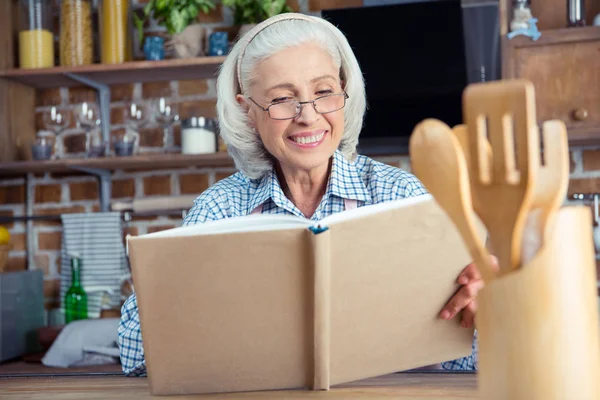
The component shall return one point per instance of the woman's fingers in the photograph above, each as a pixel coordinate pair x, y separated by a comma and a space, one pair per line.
468, 314
471, 272
461, 299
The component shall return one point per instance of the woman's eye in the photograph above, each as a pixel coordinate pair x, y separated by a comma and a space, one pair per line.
324, 92
280, 99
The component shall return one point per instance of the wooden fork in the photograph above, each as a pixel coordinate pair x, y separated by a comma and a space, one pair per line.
503, 186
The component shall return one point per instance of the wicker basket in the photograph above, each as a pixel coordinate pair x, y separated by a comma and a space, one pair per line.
4, 250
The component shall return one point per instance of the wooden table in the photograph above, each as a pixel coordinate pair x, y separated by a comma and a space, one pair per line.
422, 386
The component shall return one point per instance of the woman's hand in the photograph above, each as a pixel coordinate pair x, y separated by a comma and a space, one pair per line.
465, 298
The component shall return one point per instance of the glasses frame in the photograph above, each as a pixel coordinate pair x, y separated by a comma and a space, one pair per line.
301, 105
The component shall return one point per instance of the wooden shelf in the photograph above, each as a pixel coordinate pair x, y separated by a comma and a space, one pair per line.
555, 36
110, 74
132, 163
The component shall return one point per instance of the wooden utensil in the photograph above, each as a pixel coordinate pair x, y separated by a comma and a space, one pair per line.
551, 184
438, 161
499, 112
461, 132
553, 177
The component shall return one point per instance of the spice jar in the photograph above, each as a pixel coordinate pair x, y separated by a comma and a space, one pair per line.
76, 41
115, 31
36, 41
198, 136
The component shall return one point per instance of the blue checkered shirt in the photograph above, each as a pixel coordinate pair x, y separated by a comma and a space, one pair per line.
364, 180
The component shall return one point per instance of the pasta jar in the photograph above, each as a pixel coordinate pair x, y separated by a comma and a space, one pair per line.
115, 31
76, 40
36, 40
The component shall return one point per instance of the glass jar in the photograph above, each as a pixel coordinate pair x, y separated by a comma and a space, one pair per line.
115, 31
76, 40
36, 40
198, 136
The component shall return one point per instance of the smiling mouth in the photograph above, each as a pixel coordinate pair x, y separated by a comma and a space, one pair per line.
308, 139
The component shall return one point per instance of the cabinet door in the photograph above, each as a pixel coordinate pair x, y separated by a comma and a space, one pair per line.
566, 76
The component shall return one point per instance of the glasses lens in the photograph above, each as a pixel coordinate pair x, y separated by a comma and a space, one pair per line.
283, 110
330, 103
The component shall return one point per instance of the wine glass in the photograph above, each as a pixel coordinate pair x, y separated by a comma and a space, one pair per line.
166, 115
88, 119
57, 120
136, 117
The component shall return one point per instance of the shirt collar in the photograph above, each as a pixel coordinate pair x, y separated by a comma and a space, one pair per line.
268, 187
344, 182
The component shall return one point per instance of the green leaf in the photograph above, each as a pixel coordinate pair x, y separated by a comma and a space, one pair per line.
178, 20
161, 5
193, 11
139, 23
149, 7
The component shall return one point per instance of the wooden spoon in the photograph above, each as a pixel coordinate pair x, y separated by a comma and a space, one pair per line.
501, 112
438, 161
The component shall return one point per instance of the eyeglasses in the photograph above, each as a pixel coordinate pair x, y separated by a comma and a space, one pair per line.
289, 109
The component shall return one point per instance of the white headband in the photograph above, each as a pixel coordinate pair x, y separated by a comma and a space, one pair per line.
251, 34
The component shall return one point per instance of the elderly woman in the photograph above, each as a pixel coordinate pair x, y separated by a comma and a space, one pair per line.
291, 101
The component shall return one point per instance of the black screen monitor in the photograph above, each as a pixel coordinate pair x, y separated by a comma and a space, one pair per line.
412, 56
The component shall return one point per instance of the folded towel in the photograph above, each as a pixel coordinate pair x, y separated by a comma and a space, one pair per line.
97, 239
85, 342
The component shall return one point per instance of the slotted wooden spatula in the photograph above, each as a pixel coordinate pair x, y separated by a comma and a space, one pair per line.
503, 113
551, 184
553, 180
438, 161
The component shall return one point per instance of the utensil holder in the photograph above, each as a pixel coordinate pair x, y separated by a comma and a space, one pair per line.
538, 326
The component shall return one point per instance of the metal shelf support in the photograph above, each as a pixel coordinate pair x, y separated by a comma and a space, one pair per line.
104, 185
104, 103
104, 177
29, 196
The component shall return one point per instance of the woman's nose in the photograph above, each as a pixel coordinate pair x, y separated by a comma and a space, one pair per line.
308, 115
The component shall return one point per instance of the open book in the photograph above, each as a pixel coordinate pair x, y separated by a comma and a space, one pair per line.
273, 302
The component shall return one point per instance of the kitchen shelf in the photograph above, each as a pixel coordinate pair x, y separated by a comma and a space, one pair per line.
131, 163
555, 36
111, 74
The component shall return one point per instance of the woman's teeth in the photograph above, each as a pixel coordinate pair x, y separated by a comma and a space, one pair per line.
308, 139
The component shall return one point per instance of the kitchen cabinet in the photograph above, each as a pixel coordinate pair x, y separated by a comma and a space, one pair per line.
563, 65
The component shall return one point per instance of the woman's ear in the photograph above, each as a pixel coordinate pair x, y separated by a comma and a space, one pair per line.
241, 100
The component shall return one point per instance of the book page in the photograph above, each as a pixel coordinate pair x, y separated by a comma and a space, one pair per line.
391, 275
365, 211
247, 223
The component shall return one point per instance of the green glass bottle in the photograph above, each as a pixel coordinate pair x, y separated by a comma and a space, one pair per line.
76, 298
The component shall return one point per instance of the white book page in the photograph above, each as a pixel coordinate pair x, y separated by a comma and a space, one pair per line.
268, 222
247, 223
373, 209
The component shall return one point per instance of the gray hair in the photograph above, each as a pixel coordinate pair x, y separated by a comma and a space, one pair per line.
243, 144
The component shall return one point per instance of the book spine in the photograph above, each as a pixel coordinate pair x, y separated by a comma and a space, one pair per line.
322, 308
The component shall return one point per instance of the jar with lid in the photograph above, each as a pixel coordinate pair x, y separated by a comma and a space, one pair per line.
36, 39
198, 136
114, 18
76, 36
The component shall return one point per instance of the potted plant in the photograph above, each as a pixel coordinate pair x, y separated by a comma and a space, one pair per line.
247, 13
178, 17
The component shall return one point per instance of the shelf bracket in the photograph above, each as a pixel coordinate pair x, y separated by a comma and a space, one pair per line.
104, 102
104, 185
29, 196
